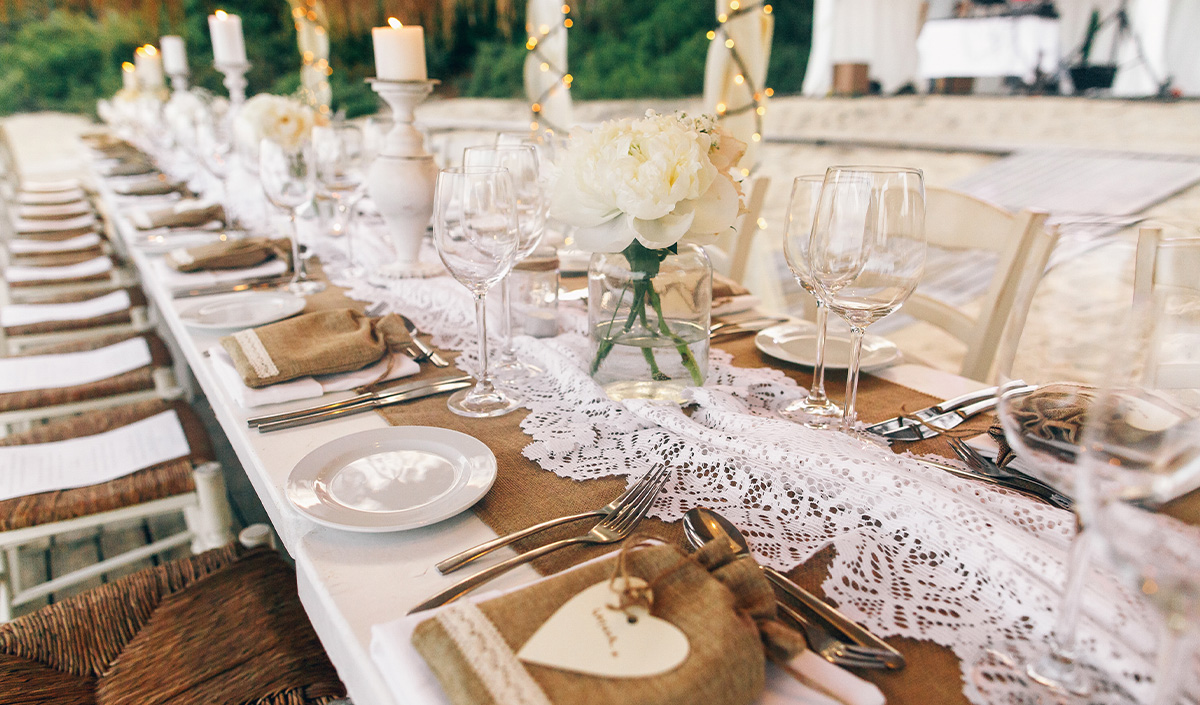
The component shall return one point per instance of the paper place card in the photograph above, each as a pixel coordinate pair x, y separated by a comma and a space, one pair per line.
72, 244
35, 198
23, 374
90, 268
59, 211
22, 225
196, 280
90, 460
28, 314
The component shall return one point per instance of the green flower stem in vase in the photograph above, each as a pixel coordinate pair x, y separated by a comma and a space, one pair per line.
649, 312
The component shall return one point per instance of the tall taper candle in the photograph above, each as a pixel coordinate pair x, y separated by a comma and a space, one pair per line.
174, 54
149, 66
129, 77
399, 52
229, 47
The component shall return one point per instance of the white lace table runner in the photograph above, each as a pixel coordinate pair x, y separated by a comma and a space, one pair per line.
919, 553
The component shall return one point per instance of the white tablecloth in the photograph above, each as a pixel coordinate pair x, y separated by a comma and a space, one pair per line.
988, 46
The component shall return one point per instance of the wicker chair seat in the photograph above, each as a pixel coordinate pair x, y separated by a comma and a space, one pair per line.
225, 626
138, 380
56, 259
157, 482
56, 235
136, 299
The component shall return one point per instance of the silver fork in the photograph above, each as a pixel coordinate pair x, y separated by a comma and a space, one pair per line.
613, 528
458, 560
378, 309
833, 650
1007, 476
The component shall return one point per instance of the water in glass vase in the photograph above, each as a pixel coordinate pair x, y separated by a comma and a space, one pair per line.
643, 365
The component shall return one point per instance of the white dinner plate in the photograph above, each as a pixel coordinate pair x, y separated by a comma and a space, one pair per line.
392, 479
159, 243
244, 309
797, 343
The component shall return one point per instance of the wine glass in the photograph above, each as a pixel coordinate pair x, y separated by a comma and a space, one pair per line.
476, 234
288, 180
342, 162
814, 410
521, 161
867, 251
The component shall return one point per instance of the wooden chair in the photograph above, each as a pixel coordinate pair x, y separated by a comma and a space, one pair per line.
225, 626
135, 319
191, 485
731, 253
1022, 243
1173, 263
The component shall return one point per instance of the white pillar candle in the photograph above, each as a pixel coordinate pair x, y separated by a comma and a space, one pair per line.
148, 62
399, 52
229, 47
174, 54
129, 77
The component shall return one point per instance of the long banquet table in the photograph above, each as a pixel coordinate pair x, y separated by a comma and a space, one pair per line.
349, 581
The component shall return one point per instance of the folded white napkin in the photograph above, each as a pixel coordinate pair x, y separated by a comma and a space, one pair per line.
88, 268
85, 241
22, 225
195, 280
90, 460
304, 387
26, 314
35, 198
23, 374
57, 211
410, 680
50, 186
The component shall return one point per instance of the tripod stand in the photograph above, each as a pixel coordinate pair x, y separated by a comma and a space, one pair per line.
1124, 32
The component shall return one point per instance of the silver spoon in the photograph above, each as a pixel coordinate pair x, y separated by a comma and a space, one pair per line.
702, 525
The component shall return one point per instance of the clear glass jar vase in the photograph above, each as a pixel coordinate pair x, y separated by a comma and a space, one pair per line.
649, 313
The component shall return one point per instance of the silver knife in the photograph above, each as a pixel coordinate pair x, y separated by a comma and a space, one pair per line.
244, 285
427, 353
892, 425
383, 390
386, 400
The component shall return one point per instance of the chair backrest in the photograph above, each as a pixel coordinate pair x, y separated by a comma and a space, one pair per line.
1022, 244
731, 252
1165, 262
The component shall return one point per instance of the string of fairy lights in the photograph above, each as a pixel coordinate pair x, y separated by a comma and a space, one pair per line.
758, 98
537, 38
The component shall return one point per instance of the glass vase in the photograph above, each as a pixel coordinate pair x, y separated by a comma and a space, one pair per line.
649, 313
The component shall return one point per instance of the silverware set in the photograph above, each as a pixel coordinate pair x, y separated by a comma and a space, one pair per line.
943, 416
358, 403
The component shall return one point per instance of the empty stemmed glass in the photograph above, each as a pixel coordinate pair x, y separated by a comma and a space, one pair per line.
288, 180
521, 161
814, 410
342, 162
867, 251
476, 234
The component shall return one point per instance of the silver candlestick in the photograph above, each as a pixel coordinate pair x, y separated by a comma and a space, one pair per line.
235, 83
402, 178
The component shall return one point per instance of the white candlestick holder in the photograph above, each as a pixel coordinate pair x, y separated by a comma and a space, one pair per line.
235, 82
402, 179
179, 82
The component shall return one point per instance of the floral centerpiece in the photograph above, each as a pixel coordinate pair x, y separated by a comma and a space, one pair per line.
286, 121
644, 194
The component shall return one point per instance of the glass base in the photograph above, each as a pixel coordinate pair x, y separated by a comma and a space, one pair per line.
1002, 679
406, 270
669, 390
515, 371
814, 414
497, 403
353, 272
305, 287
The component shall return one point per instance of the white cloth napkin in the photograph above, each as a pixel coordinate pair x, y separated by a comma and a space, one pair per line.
90, 460
72, 244
196, 280
88, 268
58, 370
410, 680
35, 198
57, 211
24, 226
26, 314
304, 387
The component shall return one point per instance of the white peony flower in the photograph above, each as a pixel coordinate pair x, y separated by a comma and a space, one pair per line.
280, 119
650, 179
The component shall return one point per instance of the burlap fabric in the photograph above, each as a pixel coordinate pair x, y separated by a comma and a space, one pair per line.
56, 259
136, 299
131, 165
725, 288
157, 482
1054, 412
717, 602
225, 626
318, 343
56, 235
156, 187
186, 217
237, 254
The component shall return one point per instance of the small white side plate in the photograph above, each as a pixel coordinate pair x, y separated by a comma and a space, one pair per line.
392, 479
244, 309
797, 343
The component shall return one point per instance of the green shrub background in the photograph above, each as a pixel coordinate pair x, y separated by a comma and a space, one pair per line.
63, 60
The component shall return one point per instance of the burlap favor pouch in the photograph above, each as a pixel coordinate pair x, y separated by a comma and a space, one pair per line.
495, 652
185, 214
726, 288
237, 254
313, 344
1051, 417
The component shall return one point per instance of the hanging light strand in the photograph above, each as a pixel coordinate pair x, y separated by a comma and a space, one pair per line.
758, 98
537, 37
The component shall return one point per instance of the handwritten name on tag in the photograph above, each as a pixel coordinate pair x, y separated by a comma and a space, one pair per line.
590, 635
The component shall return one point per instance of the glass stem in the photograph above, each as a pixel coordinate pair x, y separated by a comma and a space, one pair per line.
1172, 666
299, 273
348, 233
849, 416
816, 394
1058, 668
507, 352
484, 385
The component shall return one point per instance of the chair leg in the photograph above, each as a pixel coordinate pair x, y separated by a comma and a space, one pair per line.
211, 519
257, 535
6, 589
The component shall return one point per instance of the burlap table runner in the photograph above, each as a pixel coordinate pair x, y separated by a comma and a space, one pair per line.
236, 254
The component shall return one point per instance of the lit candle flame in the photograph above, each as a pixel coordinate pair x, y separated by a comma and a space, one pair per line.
221, 15
395, 23
127, 67
151, 50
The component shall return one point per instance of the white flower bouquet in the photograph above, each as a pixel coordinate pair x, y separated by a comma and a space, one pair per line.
642, 188
285, 121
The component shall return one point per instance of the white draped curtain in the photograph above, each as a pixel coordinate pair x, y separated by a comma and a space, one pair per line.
751, 33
